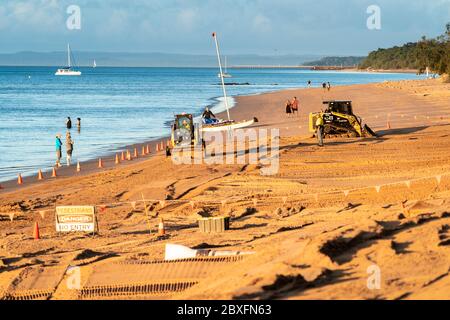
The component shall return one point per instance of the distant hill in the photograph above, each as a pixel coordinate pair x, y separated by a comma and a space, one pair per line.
404, 57
431, 53
336, 61
146, 59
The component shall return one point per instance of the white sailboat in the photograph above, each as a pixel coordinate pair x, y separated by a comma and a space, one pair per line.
94, 64
225, 74
225, 125
68, 71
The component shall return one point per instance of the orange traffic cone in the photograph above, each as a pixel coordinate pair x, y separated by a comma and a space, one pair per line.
40, 175
148, 149
136, 153
162, 146
123, 156
128, 155
157, 147
36, 234
117, 159
100, 163
19, 179
54, 175
161, 228
143, 151
78, 167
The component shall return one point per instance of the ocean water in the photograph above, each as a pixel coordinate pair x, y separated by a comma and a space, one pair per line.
120, 106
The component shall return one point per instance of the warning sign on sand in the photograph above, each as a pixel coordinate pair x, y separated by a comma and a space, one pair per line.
75, 219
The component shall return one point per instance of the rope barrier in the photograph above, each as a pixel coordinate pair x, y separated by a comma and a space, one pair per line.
282, 199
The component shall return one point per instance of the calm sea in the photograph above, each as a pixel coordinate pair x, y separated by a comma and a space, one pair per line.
120, 106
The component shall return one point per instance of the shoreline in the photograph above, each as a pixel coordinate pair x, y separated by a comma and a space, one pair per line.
91, 165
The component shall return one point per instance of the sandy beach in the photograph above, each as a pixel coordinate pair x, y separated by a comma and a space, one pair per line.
316, 228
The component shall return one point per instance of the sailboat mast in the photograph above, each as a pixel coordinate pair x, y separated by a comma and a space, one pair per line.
221, 75
68, 54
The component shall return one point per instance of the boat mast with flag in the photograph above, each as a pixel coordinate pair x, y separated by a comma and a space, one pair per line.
224, 125
68, 71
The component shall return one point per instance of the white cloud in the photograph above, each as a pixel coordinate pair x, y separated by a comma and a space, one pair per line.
187, 18
262, 23
41, 14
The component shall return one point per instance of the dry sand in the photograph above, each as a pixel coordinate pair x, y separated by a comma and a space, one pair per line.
317, 227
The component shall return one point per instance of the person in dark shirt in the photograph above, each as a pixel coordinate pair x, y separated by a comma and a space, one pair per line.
209, 117
69, 123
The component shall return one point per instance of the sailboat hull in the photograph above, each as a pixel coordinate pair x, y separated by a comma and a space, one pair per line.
224, 126
67, 73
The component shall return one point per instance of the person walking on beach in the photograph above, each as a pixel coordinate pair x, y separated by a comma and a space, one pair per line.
324, 86
320, 132
329, 86
58, 145
69, 148
79, 124
309, 83
288, 108
69, 123
295, 106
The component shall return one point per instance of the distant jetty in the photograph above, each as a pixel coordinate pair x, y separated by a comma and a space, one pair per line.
319, 68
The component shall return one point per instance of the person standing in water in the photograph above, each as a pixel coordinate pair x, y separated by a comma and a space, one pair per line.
309, 83
79, 124
69, 148
328, 86
69, 123
58, 145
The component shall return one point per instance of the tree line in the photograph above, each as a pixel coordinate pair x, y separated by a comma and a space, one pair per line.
431, 53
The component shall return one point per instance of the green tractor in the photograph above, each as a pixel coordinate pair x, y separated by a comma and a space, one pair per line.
184, 131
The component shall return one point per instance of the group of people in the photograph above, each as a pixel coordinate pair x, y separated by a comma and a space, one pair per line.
325, 85
292, 107
69, 143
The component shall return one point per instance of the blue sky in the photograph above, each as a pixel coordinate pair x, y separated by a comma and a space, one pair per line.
244, 26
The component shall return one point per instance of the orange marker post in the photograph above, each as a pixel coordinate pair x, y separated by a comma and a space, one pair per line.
36, 234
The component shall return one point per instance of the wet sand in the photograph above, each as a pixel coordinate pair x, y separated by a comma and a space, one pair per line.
317, 227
